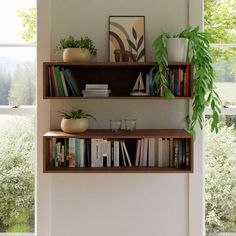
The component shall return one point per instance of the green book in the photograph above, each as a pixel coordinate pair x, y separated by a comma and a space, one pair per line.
72, 80
59, 81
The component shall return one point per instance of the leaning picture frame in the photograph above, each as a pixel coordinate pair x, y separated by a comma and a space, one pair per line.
126, 39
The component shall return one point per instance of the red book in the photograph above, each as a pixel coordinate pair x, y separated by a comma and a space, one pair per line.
54, 82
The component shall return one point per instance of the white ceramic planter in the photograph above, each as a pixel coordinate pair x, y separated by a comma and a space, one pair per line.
177, 49
76, 55
74, 125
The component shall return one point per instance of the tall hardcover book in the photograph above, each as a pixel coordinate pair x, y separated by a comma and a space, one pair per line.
69, 76
151, 152
126, 153
138, 150
116, 153
145, 152
72, 155
59, 81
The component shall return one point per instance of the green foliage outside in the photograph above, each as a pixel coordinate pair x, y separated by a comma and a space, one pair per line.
17, 174
220, 179
28, 19
220, 21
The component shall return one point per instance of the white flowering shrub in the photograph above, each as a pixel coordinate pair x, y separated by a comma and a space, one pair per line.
16, 172
220, 185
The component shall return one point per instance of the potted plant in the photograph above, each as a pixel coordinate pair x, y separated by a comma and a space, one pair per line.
204, 89
75, 121
76, 50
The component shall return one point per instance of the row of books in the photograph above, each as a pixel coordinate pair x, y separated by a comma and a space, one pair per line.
74, 152
96, 90
163, 152
61, 82
178, 81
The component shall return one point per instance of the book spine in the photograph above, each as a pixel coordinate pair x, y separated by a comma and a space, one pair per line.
54, 82
59, 81
77, 152
72, 81
72, 155
138, 149
126, 153
66, 152
64, 84
116, 154
82, 152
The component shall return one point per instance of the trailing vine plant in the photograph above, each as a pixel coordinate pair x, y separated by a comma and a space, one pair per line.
204, 88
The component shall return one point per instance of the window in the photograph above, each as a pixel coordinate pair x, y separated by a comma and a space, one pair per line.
220, 153
17, 115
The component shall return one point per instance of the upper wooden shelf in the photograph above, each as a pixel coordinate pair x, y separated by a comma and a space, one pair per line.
120, 78
112, 64
106, 133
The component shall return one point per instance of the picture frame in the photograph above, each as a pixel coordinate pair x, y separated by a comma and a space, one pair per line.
126, 39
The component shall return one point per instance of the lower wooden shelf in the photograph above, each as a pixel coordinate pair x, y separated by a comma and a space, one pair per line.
116, 170
149, 151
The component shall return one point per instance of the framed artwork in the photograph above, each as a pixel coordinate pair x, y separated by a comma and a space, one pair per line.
126, 38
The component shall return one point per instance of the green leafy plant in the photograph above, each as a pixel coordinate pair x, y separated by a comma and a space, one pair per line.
204, 89
71, 42
77, 114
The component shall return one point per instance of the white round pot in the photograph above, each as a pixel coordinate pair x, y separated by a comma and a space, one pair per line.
177, 49
74, 125
76, 55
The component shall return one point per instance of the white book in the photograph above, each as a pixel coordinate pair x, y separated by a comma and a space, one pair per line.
138, 149
82, 152
165, 152
126, 153
151, 152
105, 152
116, 154
141, 152
64, 83
160, 153
145, 152
108, 153
95, 149
123, 154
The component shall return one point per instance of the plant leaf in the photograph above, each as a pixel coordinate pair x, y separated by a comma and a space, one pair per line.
141, 54
131, 44
134, 33
140, 42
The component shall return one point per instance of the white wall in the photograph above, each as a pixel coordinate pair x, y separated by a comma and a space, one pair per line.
110, 204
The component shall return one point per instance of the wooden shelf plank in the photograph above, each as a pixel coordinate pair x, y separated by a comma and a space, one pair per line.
112, 64
115, 170
106, 133
118, 97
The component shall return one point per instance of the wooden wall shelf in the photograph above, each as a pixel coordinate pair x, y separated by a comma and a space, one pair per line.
131, 141
120, 77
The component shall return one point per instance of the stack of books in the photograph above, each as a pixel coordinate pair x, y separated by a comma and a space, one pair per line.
96, 90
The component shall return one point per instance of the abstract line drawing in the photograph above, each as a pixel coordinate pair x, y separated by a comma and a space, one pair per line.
126, 39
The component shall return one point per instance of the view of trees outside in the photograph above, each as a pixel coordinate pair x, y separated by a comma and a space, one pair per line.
17, 154
220, 153
17, 133
220, 160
